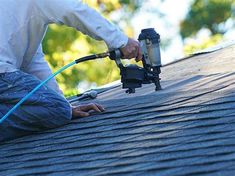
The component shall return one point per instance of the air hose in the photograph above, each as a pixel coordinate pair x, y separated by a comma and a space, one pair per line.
83, 59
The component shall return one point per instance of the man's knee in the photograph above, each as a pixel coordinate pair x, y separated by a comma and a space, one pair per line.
27, 119
58, 109
44, 109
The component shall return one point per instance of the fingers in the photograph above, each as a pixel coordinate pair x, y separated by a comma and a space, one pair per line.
139, 55
83, 110
92, 106
80, 114
101, 108
132, 50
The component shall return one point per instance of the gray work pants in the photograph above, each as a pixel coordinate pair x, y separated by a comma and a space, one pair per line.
44, 109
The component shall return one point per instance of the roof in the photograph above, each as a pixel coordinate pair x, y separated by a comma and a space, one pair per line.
188, 128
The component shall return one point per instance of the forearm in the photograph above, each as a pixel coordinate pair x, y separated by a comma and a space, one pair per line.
78, 15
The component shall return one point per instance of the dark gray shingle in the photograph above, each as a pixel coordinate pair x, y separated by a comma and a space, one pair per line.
188, 128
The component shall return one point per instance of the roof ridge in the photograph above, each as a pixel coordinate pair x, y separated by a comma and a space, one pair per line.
204, 51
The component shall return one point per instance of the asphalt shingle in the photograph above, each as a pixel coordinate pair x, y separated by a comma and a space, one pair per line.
188, 128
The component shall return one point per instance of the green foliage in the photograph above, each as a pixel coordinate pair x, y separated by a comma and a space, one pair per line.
206, 14
209, 14
71, 92
62, 45
206, 43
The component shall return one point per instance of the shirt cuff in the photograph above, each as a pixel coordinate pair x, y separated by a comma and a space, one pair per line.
117, 41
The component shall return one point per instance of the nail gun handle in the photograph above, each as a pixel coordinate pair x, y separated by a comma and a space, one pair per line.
115, 54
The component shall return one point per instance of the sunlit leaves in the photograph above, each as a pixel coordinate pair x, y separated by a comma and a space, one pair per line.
196, 46
206, 14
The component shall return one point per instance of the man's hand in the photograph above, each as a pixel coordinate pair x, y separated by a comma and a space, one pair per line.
132, 50
85, 110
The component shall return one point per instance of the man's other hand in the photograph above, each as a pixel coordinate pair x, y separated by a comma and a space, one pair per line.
85, 110
132, 50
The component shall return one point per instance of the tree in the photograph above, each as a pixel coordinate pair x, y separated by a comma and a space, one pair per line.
209, 14
63, 44
212, 15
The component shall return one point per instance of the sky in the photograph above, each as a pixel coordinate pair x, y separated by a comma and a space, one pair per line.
167, 26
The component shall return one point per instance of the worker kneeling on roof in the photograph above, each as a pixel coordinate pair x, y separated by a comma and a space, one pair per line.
22, 65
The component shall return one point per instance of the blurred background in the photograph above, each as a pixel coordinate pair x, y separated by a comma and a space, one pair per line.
185, 26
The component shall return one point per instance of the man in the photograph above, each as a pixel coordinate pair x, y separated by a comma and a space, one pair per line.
22, 65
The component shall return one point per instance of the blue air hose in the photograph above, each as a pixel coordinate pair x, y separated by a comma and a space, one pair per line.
86, 58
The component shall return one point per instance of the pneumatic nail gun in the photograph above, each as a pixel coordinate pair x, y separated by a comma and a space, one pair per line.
133, 76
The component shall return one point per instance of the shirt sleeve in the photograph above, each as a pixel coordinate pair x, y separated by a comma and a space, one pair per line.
40, 69
76, 14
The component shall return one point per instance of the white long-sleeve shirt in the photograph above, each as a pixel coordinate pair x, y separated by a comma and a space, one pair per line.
23, 24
